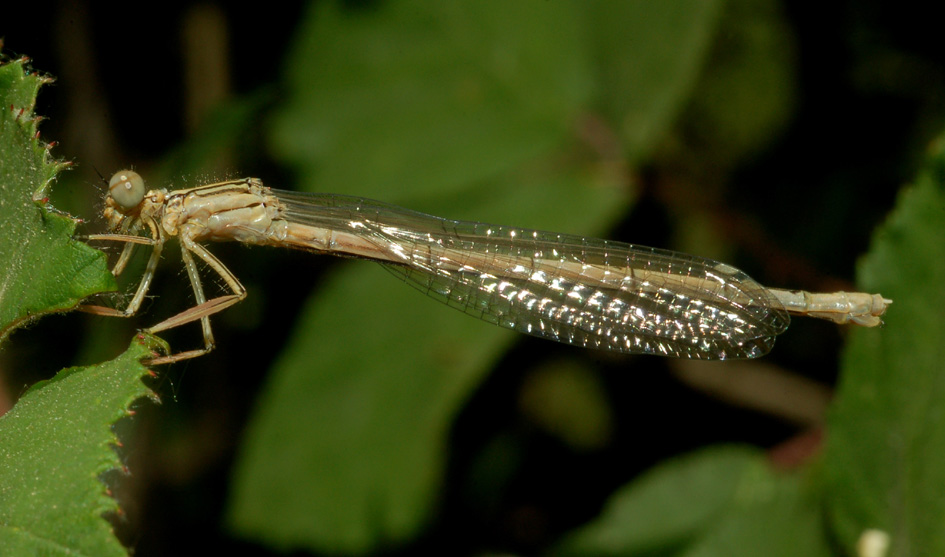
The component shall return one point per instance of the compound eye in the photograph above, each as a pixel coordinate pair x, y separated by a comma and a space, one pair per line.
127, 188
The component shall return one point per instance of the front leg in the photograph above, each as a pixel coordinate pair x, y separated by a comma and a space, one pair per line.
157, 244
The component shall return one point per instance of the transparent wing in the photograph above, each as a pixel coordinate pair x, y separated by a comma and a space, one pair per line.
587, 292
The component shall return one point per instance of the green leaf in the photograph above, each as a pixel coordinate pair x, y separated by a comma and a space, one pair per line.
887, 429
421, 97
648, 57
718, 501
467, 111
380, 406
44, 270
57, 441
55, 445
746, 92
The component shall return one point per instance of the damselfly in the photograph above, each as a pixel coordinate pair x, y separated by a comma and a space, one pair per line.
581, 291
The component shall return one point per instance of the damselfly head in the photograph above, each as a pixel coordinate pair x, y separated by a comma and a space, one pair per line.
127, 189
126, 193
